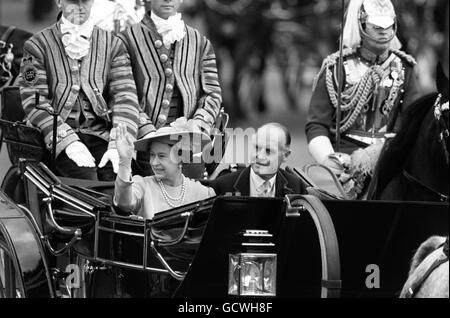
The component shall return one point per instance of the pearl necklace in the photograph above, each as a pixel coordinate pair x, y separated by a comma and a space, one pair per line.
168, 198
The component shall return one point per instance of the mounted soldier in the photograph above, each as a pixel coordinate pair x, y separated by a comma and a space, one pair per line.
378, 83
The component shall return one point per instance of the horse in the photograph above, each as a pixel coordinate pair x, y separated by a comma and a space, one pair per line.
428, 276
413, 166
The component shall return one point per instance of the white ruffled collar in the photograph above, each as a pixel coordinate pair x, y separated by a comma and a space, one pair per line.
173, 29
76, 38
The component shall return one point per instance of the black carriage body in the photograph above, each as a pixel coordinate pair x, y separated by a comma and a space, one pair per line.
195, 241
376, 235
27, 255
372, 236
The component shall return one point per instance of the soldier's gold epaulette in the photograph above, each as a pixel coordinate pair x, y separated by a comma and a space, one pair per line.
333, 59
405, 57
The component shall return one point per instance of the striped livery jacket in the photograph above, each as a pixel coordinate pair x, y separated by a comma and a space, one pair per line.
194, 71
104, 76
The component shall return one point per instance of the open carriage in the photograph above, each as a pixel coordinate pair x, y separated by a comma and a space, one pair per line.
64, 238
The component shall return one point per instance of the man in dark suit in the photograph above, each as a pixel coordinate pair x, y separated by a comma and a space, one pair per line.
264, 177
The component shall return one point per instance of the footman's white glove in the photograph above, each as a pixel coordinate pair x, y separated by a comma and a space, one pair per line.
113, 156
79, 153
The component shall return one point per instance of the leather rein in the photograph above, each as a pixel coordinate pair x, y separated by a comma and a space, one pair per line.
443, 258
439, 109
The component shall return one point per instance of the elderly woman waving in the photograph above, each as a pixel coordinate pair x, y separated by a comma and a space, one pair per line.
168, 188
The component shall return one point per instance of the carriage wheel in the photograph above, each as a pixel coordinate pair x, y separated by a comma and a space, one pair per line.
10, 283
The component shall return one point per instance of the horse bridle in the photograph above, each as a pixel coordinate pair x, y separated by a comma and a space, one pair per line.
443, 258
439, 110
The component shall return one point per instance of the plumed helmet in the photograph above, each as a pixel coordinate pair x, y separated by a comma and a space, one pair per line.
378, 12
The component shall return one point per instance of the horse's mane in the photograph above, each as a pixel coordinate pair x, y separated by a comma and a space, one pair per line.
398, 149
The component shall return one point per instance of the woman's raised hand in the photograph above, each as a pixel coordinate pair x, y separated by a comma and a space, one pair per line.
124, 144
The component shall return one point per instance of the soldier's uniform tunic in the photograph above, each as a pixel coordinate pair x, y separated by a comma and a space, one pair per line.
376, 92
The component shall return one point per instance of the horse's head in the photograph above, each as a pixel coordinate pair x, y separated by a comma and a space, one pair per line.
428, 276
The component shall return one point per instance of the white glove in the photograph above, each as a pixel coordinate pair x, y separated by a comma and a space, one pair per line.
320, 148
338, 163
113, 156
79, 153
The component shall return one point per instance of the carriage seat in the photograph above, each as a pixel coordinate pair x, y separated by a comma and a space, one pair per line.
23, 140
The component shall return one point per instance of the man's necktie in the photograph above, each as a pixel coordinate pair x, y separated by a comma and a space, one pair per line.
265, 189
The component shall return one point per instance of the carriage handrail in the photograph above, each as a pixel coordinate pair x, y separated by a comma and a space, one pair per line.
62, 250
329, 246
63, 230
177, 275
293, 210
125, 265
72, 201
177, 240
55, 188
52, 191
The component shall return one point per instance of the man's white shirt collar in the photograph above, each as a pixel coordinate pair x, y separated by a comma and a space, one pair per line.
256, 184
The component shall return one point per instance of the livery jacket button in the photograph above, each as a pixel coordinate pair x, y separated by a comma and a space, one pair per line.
169, 87
169, 72
158, 44
162, 119
165, 103
75, 87
62, 134
164, 58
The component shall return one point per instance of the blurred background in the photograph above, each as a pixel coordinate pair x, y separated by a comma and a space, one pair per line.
270, 50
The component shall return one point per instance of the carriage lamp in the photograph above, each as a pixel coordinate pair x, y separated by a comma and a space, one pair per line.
253, 272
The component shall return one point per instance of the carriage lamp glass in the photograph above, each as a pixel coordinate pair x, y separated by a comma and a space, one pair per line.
253, 270
252, 274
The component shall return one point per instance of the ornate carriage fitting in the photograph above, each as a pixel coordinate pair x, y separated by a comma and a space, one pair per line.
253, 272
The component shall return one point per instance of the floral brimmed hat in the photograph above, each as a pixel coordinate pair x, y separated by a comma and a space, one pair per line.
182, 132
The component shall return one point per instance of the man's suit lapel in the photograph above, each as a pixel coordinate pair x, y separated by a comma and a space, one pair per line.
242, 184
281, 185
